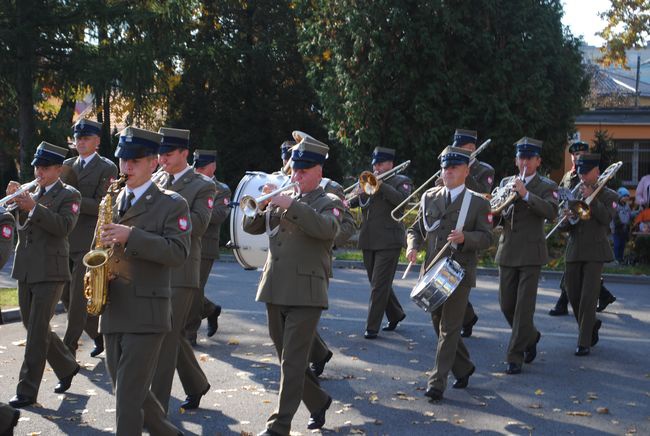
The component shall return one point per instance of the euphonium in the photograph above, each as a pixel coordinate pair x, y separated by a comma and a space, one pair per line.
96, 260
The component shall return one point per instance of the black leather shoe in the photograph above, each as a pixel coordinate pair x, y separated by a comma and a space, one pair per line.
268, 432
513, 368
14, 421
433, 394
318, 367
99, 346
602, 304
370, 334
531, 352
466, 331
317, 419
192, 401
594, 334
582, 351
213, 321
393, 325
20, 401
462, 382
559, 310
65, 382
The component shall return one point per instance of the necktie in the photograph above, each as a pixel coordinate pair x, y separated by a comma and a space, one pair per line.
83, 164
170, 181
448, 199
126, 203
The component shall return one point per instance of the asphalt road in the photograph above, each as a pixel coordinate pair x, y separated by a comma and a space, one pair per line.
378, 385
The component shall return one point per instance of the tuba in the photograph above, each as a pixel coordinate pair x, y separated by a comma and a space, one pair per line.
96, 260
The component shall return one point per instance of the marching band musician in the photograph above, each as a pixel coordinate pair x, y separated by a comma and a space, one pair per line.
522, 250
44, 222
480, 179
94, 174
588, 248
381, 239
205, 162
150, 234
451, 213
295, 279
569, 181
8, 415
198, 190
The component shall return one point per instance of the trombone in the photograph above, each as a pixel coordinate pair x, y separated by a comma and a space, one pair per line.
394, 212
370, 182
250, 205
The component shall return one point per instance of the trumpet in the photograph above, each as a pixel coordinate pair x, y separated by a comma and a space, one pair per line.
503, 196
250, 205
23, 188
369, 182
433, 178
580, 209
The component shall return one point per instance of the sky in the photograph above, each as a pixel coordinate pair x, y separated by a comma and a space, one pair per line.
582, 18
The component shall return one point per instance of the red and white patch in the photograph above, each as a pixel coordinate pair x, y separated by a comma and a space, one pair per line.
406, 186
336, 212
183, 223
226, 201
111, 180
346, 203
490, 180
614, 204
7, 231
210, 202
75, 207
490, 218
555, 195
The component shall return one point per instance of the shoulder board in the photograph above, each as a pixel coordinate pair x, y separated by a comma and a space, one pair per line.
71, 188
433, 191
547, 180
172, 194
70, 161
204, 178
222, 186
334, 184
106, 160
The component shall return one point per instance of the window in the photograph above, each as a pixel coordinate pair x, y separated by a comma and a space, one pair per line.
635, 155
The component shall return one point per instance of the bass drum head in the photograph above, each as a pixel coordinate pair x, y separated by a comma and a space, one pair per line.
251, 250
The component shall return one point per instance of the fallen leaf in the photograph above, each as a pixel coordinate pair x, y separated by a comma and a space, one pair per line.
20, 343
539, 392
578, 413
535, 406
233, 342
602, 410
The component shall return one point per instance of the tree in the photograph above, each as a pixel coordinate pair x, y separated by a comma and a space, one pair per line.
628, 26
406, 74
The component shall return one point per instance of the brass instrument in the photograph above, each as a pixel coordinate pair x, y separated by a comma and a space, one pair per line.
370, 182
23, 188
250, 205
431, 179
578, 209
503, 196
96, 260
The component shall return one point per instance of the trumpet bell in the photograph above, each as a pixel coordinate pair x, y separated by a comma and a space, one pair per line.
580, 210
369, 182
96, 258
248, 206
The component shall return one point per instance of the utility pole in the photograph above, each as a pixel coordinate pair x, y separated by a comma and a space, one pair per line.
636, 86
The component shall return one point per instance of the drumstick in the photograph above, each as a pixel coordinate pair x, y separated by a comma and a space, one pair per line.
406, 271
438, 256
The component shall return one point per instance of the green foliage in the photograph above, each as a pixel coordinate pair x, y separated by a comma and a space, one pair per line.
628, 26
406, 74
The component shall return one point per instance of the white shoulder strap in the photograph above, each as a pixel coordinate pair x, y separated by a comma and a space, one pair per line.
463, 212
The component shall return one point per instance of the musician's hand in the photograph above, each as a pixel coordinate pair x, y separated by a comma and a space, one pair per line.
282, 201
25, 202
115, 234
269, 187
412, 255
586, 190
520, 188
12, 187
456, 236
439, 181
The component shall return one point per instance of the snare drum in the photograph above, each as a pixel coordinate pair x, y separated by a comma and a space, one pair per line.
251, 250
437, 284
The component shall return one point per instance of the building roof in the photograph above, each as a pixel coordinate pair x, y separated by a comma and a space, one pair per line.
638, 117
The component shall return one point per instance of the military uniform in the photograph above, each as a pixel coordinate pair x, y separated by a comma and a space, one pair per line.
199, 192
139, 314
6, 235
202, 307
294, 285
8, 419
41, 269
93, 180
381, 239
451, 355
587, 249
521, 253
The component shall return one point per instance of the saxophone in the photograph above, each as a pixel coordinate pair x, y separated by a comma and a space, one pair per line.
96, 260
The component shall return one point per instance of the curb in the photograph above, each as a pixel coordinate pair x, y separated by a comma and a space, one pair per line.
13, 315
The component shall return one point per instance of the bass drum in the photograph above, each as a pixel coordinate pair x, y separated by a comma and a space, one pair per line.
251, 250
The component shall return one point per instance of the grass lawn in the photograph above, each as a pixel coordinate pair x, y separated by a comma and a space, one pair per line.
8, 297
